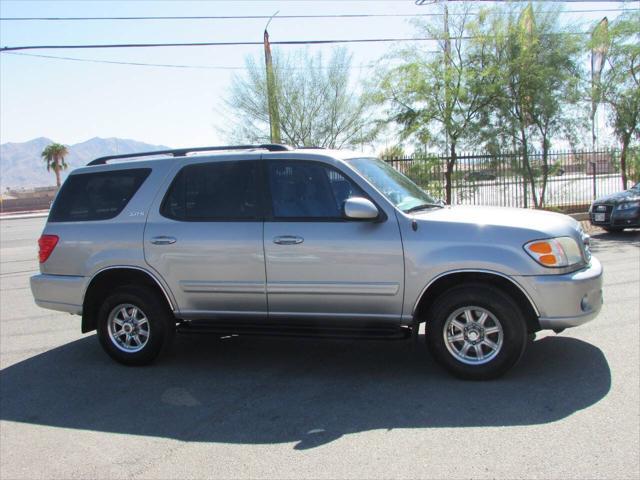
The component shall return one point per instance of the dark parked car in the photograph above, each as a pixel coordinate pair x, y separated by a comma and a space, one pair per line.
480, 175
618, 211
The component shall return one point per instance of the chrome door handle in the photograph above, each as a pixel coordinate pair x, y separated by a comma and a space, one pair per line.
163, 240
288, 240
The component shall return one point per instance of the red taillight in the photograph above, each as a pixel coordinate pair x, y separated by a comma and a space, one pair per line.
46, 243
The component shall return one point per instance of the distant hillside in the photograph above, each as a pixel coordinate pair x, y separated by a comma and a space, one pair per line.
22, 166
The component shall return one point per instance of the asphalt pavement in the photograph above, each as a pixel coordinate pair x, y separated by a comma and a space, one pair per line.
300, 408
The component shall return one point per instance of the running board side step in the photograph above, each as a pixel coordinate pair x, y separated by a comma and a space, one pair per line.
285, 330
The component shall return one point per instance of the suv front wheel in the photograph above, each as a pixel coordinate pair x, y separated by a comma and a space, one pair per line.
476, 332
135, 325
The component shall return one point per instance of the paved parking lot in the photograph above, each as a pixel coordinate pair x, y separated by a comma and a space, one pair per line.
278, 408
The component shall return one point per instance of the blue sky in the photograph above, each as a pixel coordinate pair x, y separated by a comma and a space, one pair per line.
72, 101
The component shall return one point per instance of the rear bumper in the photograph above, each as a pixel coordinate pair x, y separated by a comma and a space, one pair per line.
58, 292
567, 300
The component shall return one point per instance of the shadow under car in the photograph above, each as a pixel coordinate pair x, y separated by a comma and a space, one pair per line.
256, 390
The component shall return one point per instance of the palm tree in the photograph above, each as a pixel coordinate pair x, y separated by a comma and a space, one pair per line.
54, 156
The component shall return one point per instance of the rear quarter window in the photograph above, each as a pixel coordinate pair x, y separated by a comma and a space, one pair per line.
96, 196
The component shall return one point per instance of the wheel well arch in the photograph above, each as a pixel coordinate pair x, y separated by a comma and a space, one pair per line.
448, 280
112, 277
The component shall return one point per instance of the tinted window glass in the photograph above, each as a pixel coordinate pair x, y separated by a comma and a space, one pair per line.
309, 190
215, 191
96, 196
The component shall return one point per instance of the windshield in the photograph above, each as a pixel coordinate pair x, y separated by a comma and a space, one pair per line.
400, 191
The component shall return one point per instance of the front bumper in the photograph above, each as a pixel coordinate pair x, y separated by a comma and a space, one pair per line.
58, 292
566, 300
613, 217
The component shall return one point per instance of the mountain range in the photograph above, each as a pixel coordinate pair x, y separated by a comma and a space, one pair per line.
21, 165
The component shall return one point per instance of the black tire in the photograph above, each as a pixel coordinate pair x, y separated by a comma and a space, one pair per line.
160, 320
493, 301
613, 229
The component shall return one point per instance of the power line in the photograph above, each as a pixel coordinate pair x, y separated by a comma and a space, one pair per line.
164, 65
227, 44
222, 17
139, 64
217, 44
280, 17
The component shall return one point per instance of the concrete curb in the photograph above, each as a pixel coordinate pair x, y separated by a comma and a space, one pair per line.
17, 216
581, 217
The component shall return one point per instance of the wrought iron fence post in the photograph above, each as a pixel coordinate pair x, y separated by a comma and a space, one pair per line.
524, 183
593, 174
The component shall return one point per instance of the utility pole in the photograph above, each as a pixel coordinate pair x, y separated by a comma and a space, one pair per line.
599, 50
447, 66
448, 108
272, 98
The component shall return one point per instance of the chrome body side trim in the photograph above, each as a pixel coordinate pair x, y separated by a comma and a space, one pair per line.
334, 288
221, 287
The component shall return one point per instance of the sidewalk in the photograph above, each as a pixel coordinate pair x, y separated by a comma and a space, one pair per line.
18, 215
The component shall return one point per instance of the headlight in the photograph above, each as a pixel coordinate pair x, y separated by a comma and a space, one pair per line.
628, 205
555, 252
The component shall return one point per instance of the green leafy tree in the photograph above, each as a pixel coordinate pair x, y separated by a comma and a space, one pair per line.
436, 98
54, 155
317, 104
620, 84
391, 152
539, 81
633, 164
425, 171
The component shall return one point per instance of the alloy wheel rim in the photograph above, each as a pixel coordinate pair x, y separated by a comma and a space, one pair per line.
473, 335
129, 328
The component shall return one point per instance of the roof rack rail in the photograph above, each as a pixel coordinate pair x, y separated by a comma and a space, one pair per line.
182, 152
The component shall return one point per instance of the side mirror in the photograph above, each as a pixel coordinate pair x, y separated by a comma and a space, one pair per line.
358, 208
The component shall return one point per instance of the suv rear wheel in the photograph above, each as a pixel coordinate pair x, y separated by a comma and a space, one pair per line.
476, 332
135, 325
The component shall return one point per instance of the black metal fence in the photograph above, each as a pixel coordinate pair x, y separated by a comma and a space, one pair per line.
573, 178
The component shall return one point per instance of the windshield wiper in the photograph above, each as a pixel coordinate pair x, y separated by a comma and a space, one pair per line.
423, 206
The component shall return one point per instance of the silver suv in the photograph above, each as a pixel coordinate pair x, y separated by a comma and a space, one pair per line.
274, 240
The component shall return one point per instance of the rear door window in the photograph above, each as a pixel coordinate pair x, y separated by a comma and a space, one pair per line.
217, 191
96, 196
